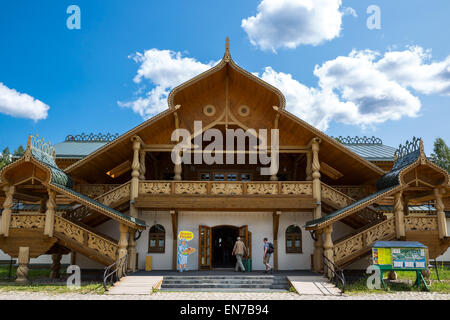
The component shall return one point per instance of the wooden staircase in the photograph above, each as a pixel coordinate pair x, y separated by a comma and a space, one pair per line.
28, 230
418, 228
117, 197
335, 200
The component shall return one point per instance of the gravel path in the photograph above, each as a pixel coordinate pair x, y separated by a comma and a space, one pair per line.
221, 296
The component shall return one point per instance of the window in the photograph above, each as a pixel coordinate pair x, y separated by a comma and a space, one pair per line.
157, 239
224, 176
293, 239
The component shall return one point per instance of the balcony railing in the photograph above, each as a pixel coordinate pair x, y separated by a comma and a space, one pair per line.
225, 188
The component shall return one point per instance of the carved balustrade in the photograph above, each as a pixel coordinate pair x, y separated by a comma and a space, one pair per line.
225, 188
363, 240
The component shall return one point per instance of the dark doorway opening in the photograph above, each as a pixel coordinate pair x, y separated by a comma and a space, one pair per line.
223, 239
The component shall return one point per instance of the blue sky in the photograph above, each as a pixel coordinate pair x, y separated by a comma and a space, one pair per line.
81, 75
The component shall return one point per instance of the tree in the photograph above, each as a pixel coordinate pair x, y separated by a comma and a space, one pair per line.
19, 151
5, 158
441, 154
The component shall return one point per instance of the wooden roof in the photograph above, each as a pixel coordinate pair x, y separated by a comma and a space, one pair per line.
228, 88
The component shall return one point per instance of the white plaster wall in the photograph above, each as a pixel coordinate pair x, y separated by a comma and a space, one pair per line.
44, 259
446, 255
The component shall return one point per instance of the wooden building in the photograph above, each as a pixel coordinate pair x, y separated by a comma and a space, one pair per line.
105, 198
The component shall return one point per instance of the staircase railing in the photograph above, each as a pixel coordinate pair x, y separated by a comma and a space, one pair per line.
334, 273
115, 271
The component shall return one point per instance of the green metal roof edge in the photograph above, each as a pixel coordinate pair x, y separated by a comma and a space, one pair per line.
343, 210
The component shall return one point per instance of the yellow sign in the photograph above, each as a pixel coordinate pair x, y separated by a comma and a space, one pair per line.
188, 235
382, 256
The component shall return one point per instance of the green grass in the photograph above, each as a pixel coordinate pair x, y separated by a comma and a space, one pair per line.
87, 288
38, 282
360, 286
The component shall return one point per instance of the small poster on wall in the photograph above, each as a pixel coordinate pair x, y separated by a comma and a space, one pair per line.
184, 250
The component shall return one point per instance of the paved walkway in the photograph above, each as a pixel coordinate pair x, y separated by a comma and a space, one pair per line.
20, 295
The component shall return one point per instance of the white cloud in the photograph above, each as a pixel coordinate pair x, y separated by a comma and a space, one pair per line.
363, 88
165, 70
21, 105
290, 23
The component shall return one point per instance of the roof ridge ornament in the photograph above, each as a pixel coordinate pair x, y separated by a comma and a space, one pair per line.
227, 55
40, 144
409, 147
359, 140
92, 137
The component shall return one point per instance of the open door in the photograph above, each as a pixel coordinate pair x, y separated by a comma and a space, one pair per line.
204, 247
246, 238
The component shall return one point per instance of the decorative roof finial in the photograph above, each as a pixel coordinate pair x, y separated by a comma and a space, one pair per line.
227, 55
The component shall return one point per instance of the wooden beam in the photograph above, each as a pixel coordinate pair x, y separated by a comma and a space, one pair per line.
226, 203
276, 223
174, 215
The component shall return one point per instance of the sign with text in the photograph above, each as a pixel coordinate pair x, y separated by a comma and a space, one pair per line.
187, 235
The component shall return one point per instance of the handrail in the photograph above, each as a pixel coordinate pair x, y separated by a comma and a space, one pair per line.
115, 271
338, 273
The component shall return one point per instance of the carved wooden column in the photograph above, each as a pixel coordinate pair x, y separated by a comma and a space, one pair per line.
134, 188
22, 269
399, 216
50, 213
308, 166
7, 210
276, 223
328, 249
123, 244
174, 215
317, 195
142, 165
131, 250
56, 265
440, 213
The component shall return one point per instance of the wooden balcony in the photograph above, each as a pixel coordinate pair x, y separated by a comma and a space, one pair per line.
226, 195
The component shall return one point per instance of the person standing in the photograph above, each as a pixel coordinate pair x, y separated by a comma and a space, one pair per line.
268, 250
239, 251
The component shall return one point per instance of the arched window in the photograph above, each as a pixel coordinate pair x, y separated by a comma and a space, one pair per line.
157, 239
293, 239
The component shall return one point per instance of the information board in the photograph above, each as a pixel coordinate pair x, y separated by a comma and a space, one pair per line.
408, 258
382, 256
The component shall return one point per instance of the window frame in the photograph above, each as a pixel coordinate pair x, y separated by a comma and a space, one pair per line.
157, 236
293, 236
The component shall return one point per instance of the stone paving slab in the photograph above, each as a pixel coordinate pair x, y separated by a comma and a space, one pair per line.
136, 285
313, 285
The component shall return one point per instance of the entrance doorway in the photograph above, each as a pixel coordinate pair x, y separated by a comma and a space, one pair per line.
223, 239
216, 245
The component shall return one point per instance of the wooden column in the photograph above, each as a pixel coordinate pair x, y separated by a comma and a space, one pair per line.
174, 215
177, 169
22, 269
56, 265
50, 213
318, 251
308, 166
142, 168
135, 166
123, 243
276, 223
440, 213
7, 210
131, 250
328, 248
399, 216
317, 195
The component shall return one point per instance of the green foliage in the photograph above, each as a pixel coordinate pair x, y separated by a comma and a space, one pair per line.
6, 156
19, 151
441, 154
